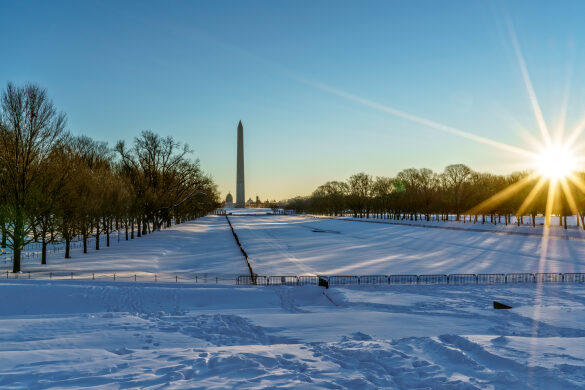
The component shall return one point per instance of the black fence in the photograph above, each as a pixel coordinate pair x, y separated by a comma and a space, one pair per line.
373, 280
305, 280
123, 276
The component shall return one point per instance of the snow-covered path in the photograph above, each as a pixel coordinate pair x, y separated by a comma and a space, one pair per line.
105, 335
288, 245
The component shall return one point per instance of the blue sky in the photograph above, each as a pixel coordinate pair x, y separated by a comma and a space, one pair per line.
193, 69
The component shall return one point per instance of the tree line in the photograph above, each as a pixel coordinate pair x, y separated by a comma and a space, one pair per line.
459, 191
55, 186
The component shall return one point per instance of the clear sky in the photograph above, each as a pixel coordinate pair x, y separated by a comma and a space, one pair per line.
193, 69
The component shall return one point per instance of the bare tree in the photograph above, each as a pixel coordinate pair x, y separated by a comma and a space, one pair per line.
30, 128
457, 178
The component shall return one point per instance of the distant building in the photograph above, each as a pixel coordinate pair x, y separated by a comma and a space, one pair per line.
229, 201
250, 203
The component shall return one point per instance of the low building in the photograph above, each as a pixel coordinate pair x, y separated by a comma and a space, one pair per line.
229, 201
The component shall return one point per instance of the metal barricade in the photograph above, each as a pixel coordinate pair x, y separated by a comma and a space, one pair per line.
574, 277
403, 279
491, 278
374, 279
462, 279
344, 280
432, 279
548, 277
244, 280
520, 278
308, 280
283, 281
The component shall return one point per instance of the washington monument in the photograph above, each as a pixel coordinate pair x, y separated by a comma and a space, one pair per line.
240, 193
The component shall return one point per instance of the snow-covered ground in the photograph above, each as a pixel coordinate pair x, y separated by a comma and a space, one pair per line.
525, 228
287, 245
204, 246
98, 334
70, 334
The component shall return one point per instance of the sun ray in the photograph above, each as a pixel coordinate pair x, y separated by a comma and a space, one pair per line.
570, 199
577, 181
577, 131
560, 130
502, 196
529, 87
531, 195
416, 119
550, 199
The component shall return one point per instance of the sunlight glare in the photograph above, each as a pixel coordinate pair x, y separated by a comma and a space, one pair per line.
556, 162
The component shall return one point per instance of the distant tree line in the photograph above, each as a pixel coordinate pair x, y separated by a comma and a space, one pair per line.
57, 186
469, 196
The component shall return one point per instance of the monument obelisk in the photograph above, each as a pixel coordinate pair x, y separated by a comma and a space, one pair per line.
240, 193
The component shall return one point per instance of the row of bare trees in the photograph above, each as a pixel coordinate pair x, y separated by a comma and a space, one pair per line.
457, 191
55, 186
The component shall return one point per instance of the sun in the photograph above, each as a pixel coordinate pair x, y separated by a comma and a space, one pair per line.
556, 162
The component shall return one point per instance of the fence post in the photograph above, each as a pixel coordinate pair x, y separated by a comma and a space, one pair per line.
93, 276
114, 276
134, 277
176, 279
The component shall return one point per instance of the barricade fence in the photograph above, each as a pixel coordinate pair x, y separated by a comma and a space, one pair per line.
123, 276
434, 279
304, 280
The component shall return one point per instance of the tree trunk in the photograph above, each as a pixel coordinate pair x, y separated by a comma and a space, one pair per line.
16, 260
107, 231
3, 232
126, 227
84, 233
44, 251
18, 242
67, 246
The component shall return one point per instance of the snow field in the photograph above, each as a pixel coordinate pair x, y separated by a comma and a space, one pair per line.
100, 335
287, 245
104, 334
202, 247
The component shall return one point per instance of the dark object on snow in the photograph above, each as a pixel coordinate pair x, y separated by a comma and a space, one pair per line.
323, 283
498, 305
